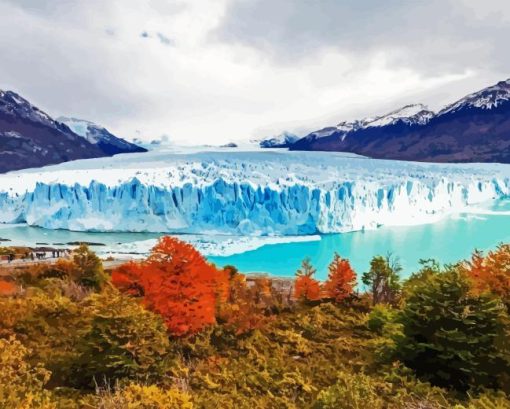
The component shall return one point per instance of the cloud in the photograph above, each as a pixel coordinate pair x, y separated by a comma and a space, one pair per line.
223, 70
436, 35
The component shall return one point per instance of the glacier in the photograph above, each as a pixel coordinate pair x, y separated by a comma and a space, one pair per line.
256, 193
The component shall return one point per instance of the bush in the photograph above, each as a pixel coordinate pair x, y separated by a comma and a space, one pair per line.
88, 269
452, 337
21, 385
380, 316
123, 340
351, 392
47, 323
135, 396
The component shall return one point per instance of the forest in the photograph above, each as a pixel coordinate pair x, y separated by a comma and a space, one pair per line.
174, 331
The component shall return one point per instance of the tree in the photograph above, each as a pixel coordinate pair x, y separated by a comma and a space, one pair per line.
452, 337
177, 283
383, 279
492, 272
88, 268
306, 288
341, 279
429, 267
244, 310
123, 340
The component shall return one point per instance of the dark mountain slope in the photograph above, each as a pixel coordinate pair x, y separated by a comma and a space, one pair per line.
473, 129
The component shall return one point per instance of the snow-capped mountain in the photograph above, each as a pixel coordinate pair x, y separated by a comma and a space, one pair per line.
100, 136
488, 98
474, 129
409, 114
29, 137
232, 192
283, 140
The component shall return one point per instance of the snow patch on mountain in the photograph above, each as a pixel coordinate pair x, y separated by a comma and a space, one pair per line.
244, 193
409, 114
488, 98
415, 114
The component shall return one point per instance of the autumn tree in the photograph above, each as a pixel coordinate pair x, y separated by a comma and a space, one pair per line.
306, 288
176, 282
383, 279
88, 268
492, 272
247, 303
341, 279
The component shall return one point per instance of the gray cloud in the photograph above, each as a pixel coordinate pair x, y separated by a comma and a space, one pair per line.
301, 63
434, 35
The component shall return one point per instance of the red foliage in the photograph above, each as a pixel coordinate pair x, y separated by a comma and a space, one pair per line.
177, 283
492, 272
7, 288
341, 279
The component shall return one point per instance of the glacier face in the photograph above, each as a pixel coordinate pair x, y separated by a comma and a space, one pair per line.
244, 193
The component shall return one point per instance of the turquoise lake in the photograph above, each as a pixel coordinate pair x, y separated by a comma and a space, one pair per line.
449, 240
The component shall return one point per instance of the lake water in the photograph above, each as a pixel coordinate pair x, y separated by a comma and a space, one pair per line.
449, 240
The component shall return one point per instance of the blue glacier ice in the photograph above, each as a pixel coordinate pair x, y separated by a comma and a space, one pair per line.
244, 193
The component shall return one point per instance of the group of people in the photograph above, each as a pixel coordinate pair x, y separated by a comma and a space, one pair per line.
39, 254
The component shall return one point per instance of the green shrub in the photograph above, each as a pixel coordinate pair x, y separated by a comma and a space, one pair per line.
452, 337
88, 269
123, 340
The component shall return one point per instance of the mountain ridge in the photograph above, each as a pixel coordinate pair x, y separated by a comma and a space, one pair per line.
475, 128
29, 137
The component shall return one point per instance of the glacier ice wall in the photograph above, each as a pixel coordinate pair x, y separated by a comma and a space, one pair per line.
267, 194
240, 208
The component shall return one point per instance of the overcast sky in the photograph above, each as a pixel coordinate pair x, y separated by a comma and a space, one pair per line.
212, 71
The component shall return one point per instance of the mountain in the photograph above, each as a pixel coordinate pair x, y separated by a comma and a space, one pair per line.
31, 138
283, 140
474, 129
100, 136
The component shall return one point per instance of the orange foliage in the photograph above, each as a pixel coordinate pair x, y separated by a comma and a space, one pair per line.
177, 283
7, 288
341, 279
307, 289
244, 309
492, 272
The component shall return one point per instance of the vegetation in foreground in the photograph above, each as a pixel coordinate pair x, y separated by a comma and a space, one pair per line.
174, 331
